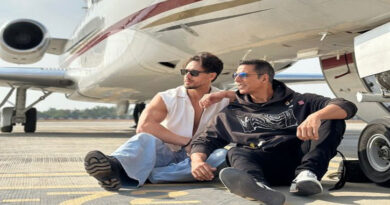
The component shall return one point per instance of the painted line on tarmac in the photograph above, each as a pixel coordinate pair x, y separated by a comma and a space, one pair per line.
76, 193
44, 174
159, 199
148, 201
97, 186
49, 187
165, 194
366, 194
20, 200
81, 200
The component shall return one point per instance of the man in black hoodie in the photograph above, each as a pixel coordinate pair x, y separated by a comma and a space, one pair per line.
279, 134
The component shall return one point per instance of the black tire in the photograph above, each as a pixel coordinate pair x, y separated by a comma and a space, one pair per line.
7, 128
31, 121
373, 140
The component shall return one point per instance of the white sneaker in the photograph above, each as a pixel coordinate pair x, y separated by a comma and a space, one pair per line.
306, 184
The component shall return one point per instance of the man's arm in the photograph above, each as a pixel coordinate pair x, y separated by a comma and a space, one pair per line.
308, 129
151, 118
213, 138
200, 169
213, 98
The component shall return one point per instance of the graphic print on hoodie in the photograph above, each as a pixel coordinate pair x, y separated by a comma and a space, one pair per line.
252, 121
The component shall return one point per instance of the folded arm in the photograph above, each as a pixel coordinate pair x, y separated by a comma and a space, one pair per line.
216, 97
335, 109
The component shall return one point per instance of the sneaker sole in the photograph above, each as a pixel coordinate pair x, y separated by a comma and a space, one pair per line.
97, 165
242, 184
307, 188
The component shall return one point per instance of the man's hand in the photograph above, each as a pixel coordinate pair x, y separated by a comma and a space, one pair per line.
308, 129
200, 169
211, 98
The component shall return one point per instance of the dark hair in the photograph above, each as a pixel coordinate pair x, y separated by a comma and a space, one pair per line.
209, 62
261, 67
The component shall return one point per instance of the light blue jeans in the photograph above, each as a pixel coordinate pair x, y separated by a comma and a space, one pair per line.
144, 157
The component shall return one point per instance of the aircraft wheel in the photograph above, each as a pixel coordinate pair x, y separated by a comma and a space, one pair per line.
31, 120
374, 151
6, 115
7, 128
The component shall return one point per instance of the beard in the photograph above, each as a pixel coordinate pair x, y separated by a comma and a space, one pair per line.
188, 87
191, 85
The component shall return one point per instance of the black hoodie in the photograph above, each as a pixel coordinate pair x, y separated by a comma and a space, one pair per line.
255, 124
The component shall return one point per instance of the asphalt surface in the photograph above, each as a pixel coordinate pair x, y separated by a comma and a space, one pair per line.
47, 168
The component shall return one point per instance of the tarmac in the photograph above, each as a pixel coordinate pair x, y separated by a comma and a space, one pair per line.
47, 168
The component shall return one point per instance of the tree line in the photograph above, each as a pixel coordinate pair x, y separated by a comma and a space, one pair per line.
98, 112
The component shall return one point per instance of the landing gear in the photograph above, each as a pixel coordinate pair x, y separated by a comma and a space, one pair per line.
6, 119
139, 107
374, 151
7, 128
31, 120
27, 116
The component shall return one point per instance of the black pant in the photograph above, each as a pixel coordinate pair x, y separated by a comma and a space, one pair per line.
139, 107
280, 163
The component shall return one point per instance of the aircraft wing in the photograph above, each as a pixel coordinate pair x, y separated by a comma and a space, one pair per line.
34, 77
289, 78
300, 78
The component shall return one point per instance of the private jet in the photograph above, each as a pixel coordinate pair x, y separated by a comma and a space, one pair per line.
124, 51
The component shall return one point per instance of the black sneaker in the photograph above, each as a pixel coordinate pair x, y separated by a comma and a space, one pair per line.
241, 183
102, 168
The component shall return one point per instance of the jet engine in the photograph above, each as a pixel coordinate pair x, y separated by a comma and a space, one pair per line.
23, 41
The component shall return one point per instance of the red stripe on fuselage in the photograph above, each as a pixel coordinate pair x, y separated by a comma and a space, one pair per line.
334, 62
134, 18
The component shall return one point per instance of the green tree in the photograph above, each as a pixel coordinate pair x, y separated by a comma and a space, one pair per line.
99, 112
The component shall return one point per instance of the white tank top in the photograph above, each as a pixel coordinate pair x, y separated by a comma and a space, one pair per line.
181, 115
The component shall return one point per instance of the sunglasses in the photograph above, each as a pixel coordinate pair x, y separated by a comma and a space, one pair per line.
243, 75
192, 72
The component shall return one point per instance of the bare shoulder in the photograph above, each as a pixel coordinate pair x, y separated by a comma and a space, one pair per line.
157, 104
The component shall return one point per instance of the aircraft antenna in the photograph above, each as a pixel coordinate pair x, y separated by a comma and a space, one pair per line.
246, 54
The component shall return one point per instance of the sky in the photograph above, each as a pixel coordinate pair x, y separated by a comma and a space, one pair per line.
61, 19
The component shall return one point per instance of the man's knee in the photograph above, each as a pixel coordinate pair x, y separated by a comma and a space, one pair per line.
220, 153
231, 153
217, 157
331, 133
145, 138
336, 127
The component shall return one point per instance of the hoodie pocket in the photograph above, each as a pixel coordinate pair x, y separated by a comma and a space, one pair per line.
279, 142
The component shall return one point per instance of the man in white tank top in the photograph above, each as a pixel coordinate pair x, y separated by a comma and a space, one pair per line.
158, 152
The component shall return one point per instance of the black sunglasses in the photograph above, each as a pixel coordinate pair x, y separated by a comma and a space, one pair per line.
192, 72
243, 75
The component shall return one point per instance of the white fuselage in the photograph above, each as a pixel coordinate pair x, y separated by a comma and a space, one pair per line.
115, 53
